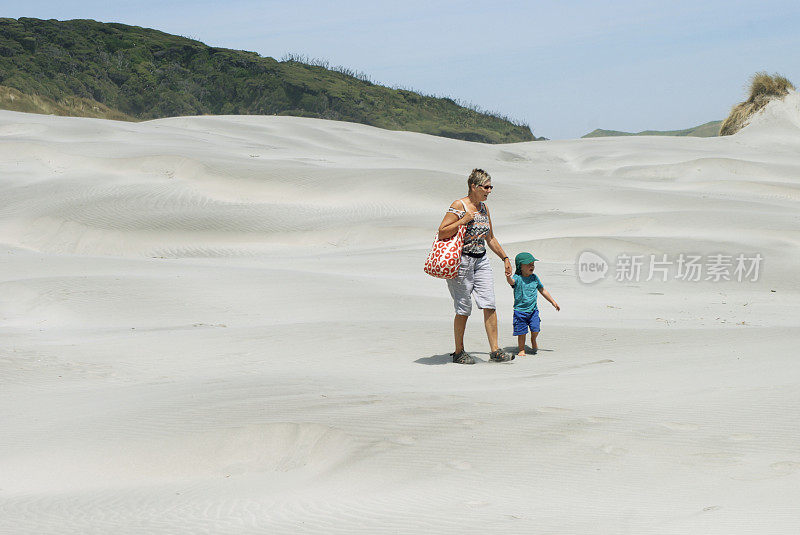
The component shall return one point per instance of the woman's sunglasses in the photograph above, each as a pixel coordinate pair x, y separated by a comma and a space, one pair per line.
487, 188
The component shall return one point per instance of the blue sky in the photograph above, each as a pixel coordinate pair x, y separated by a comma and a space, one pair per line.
565, 67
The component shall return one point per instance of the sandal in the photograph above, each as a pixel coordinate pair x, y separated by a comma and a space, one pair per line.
498, 355
462, 358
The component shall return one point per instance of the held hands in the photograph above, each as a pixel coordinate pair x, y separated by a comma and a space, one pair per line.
507, 264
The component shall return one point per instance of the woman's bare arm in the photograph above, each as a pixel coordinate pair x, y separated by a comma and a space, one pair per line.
451, 222
495, 246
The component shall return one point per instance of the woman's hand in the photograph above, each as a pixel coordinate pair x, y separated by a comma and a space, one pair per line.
467, 217
507, 264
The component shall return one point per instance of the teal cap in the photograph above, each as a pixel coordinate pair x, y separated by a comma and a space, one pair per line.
523, 258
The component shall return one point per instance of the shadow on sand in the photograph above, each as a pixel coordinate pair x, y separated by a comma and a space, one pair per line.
447, 358
436, 360
513, 350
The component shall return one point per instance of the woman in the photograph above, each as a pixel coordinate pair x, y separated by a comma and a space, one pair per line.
475, 271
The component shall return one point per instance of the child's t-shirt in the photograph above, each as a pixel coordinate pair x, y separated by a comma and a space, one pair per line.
526, 290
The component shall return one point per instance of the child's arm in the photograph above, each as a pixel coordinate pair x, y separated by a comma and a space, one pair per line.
511, 280
549, 297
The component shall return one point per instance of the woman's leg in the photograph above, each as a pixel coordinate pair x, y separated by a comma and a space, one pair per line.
461, 289
459, 326
490, 322
483, 288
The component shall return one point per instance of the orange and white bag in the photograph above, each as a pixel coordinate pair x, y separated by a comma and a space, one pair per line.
445, 256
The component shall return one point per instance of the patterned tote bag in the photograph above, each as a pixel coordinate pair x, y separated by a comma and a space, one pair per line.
445, 256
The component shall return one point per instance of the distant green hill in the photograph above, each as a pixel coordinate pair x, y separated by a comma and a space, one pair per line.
710, 129
88, 68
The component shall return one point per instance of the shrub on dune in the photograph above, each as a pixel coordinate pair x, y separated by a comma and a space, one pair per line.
763, 88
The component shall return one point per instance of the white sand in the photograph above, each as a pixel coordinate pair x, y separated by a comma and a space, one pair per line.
221, 325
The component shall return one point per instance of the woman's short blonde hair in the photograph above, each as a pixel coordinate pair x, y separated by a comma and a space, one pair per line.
478, 177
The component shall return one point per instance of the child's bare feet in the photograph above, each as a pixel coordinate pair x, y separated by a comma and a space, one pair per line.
521, 344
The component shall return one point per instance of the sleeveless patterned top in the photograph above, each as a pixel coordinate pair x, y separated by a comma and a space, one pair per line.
477, 230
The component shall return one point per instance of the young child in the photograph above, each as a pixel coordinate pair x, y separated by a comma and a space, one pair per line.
526, 314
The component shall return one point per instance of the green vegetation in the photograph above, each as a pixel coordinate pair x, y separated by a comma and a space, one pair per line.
709, 129
88, 68
14, 100
763, 88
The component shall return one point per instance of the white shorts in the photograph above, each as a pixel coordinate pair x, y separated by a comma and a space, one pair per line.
474, 277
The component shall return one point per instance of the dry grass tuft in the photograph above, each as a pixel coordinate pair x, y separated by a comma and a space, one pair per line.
14, 100
763, 88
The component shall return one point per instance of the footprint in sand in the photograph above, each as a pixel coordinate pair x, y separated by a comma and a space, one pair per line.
785, 468
552, 410
405, 440
381, 446
593, 363
677, 426
616, 451
460, 465
539, 376
719, 458
601, 419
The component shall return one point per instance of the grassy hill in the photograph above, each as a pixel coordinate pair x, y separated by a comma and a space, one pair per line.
88, 68
710, 129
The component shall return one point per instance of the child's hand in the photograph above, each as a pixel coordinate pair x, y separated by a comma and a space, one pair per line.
558, 308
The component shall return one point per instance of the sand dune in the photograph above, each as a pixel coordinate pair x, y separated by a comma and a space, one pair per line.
221, 325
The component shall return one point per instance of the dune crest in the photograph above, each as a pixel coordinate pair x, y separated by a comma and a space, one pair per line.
779, 119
